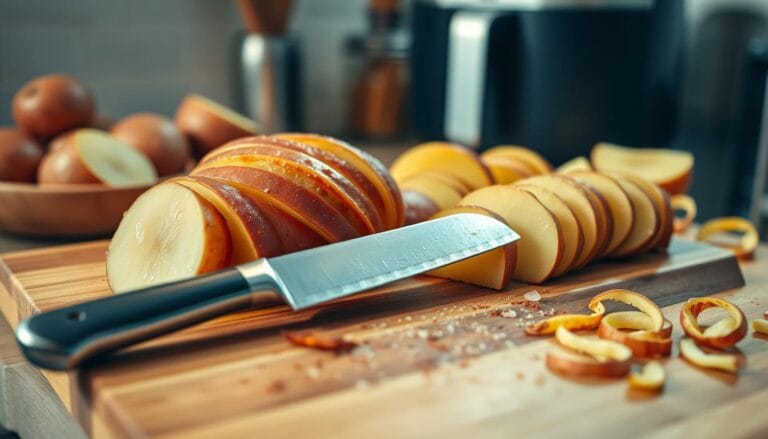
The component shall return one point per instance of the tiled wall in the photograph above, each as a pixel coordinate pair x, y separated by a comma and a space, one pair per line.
144, 55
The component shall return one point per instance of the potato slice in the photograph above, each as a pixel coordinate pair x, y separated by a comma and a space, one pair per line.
451, 180
447, 157
289, 224
298, 200
336, 188
252, 234
541, 238
506, 170
169, 233
618, 203
492, 269
442, 194
208, 124
668, 168
605, 217
393, 214
361, 183
646, 219
309, 178
418, 207
113, 162
572, 233
579, 163
533, 160
664, 209
582, 206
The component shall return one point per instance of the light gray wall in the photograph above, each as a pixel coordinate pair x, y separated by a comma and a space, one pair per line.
144, 55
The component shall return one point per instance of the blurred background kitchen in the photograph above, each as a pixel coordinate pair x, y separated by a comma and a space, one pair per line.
670, 73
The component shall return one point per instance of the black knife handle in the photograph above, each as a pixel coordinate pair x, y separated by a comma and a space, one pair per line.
64, 338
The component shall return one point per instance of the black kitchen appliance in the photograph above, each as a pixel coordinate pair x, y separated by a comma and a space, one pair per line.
555, 75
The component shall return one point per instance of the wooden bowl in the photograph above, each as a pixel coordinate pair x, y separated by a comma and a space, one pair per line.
71, 210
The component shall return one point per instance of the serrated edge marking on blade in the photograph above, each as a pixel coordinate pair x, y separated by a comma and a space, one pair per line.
381, 279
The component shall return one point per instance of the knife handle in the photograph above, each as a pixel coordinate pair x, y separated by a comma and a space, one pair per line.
64, 338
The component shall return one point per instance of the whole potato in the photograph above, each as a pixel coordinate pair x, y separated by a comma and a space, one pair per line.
158, 138
52, 104
19, 156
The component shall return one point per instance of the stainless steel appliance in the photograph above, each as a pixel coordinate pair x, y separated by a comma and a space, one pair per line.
556, 75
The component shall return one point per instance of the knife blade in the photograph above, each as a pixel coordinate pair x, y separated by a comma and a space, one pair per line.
67, 337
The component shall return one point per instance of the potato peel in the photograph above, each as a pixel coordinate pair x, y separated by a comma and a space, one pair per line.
643, 343
651, 377
686, 204
760, 325
691, 352
748, 242
571, 364
635, 299
574, 322
601, 350
721, 335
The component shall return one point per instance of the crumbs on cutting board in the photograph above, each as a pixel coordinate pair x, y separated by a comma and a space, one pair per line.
426, 341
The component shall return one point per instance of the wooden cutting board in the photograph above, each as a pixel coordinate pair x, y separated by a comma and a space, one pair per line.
434, 357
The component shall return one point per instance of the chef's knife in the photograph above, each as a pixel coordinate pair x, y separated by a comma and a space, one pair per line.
66, 337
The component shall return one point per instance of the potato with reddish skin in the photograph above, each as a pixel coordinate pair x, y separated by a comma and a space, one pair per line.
93, 156
49, 105
63, 165
253, 236
314, 175
209, 125
352, 198
158, 138
292, 197
392, 207
418, 207
344, 167
19, 156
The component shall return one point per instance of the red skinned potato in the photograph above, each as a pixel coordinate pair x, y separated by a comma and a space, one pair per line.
387, 196
158, 138
93, 156
63, 165
209, 125
19, 156
52, 104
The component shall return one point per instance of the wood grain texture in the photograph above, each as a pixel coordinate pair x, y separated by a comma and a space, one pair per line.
434, 358
27, 395
70, 210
